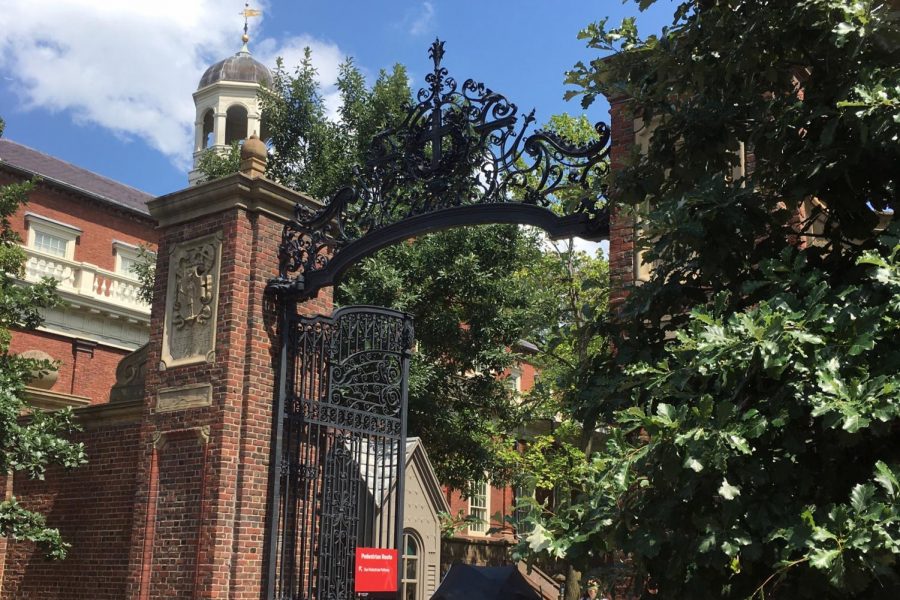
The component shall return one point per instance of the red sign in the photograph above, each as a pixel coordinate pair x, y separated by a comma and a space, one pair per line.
376, 570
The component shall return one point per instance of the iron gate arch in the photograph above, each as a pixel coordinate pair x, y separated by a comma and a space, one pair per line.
462, 156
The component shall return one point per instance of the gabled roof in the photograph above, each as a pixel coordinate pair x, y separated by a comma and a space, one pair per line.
378, 468
415, 454
29, 162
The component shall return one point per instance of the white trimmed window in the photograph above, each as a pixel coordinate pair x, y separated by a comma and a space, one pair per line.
514, 380
127, 256
410, 565
52, 237
479, 502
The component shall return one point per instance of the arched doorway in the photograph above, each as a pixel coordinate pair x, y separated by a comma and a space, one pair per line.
462, 156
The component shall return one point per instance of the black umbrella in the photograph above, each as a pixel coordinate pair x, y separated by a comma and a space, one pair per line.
468, 582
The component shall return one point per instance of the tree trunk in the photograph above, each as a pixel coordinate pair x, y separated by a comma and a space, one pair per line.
573, 584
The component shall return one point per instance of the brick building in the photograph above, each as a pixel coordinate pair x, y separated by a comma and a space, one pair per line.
84, 231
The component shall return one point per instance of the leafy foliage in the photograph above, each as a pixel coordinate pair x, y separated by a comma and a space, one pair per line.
312, 152
27, 445
214, 165
752, 400
145, 269
472, 302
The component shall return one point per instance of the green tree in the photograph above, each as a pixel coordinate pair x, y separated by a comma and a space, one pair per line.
753, 396
214, 164
28, 445
472, 300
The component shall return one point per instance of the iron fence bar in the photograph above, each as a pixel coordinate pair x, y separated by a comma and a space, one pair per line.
275, 461
406, 345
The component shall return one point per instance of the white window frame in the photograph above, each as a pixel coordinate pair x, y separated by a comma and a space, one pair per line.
37, 223
480, 528
418, 558
643, 132
514, 379
126, 251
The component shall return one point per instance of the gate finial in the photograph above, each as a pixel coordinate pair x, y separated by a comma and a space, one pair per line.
436, 53
462, 155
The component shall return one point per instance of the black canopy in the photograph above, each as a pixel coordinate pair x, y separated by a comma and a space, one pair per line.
468, 582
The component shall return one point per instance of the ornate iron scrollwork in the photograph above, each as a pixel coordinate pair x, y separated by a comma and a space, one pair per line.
337, 472
458, 147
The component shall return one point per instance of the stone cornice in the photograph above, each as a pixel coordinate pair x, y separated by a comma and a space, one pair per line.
47, 400
257, 195
115, 413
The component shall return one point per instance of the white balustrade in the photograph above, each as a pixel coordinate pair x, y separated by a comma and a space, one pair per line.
86, 280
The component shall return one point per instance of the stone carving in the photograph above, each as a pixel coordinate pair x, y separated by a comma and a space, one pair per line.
189, 335
131, 373
159, 440
185, 396
203, 435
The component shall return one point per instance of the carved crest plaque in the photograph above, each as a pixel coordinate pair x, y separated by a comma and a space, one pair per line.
191, 300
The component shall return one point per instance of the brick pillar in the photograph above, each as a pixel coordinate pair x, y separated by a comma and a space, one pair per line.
621, 227
199, 519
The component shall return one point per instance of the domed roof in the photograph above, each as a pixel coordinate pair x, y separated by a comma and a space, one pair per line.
240, 67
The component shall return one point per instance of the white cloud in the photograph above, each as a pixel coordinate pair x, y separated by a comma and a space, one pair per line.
578, 244
130, 66
423, 21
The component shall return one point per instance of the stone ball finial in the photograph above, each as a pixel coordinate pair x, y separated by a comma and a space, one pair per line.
41, 379
253, 147
253, 157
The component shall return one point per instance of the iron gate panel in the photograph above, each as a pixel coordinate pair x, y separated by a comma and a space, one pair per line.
342, 445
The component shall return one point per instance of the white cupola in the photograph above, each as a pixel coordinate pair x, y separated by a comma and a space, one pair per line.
227, 103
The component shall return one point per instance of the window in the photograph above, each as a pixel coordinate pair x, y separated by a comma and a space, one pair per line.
522, 510
127, 256
643, 133
49, 243
478, 506
410, 565
514, 380
52, 237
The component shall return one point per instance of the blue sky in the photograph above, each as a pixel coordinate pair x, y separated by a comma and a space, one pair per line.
106, 84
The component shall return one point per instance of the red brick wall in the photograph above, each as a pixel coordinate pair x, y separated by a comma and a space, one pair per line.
100, 223
79, 374
92, 507
501, 501
227, 538
621, 235
180, 464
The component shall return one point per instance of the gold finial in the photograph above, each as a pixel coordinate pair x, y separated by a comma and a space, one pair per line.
247, 13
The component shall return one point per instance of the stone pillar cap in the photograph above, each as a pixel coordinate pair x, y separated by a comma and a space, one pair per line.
254, 157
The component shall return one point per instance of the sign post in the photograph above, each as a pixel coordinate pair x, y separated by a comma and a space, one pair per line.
376, 572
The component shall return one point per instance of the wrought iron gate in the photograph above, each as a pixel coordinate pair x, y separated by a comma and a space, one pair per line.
462, 156
342, 445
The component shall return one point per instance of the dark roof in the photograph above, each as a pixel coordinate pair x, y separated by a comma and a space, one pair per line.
240, 67
59, 172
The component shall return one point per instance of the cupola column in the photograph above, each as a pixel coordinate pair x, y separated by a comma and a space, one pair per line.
219, 130
254, 126
198, 132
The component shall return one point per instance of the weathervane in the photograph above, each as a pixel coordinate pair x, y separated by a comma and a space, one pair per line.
247, 13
